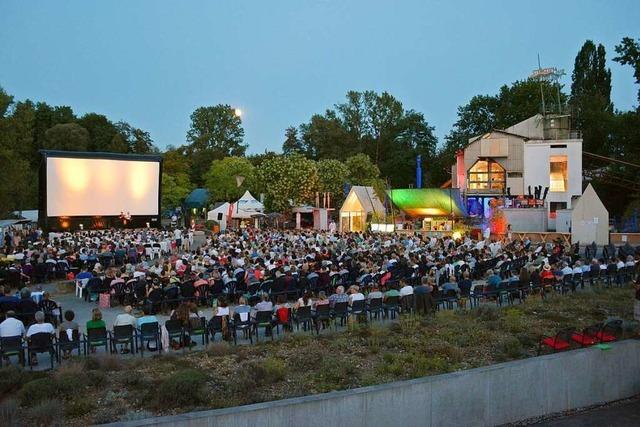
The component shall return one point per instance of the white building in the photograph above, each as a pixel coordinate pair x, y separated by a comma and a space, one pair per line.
541, 151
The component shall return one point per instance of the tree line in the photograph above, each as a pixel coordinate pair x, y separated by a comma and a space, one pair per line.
368, 139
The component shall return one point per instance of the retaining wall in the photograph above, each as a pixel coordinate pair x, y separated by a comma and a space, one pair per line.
486, 396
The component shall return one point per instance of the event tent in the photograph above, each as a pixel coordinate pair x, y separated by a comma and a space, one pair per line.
590, 219
220, 214
428, 201
197, 199
360, 202
247, 207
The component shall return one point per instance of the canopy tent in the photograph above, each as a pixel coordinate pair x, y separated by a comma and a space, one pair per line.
220, 214
429, 201
197, 199
360, 202
246, 207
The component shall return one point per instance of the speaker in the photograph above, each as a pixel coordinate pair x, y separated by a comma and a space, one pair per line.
219, 216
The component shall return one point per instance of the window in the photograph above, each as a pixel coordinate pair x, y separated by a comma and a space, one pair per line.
558, 173
487, 175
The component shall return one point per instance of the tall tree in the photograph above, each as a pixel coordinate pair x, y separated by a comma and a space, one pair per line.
590, 100
292, 143
629, 54
215, 132
68, 136
6, 101
288, 180
101, 131
223, 177
333, 174
136, 140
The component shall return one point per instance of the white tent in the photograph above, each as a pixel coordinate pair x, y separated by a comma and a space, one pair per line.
220, 213
590, 219
247, 207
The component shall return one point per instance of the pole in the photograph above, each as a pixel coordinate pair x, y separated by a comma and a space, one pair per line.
544, 110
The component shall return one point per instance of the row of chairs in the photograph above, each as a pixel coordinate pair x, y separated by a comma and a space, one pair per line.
570, 338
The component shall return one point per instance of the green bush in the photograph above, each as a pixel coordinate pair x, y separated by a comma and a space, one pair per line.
47, 412
70, 384
510, 348
96, 378
183, 388
37, 391
12, 379
78, 407
274, 370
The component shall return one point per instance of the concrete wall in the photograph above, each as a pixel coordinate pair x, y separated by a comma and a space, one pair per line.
488, 396
529, 219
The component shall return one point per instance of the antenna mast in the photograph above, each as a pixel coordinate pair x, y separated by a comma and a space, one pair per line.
551, 75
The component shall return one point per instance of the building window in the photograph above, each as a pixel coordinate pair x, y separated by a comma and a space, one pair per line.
486, 175
558, 173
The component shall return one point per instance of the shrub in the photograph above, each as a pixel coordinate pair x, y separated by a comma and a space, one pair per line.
11, 379
37, 391
510, 348
70, 384
184, 388
134, 379
96, 378
274, 369
105, 416
48, 412
78, 407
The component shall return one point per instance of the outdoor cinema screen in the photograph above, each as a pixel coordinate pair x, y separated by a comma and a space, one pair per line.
101, 187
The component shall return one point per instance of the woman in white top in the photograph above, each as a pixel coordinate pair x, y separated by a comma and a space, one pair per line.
304, 301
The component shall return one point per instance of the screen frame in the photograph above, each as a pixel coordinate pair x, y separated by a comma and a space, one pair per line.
46, 154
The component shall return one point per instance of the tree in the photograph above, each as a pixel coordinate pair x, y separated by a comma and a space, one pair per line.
333, 174
376, 125
215, 132
361, 169
629, 54
101, 131
221, 180
174, 189
22, 193
292, 143
288, 180
68, 136
591, 98
6, 101
175, 161
136, 140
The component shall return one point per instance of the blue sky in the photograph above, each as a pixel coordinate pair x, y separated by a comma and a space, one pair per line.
153, 62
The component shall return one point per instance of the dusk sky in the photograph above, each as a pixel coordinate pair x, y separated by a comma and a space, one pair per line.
151, 63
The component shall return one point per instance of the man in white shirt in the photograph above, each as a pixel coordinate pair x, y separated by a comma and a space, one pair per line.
406, 289
11, 327
37, 328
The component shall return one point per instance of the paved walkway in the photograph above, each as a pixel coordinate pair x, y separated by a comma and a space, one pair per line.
622, 415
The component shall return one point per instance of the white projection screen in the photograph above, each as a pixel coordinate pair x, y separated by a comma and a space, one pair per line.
101, 187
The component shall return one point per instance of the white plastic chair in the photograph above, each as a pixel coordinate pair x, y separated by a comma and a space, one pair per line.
80, 285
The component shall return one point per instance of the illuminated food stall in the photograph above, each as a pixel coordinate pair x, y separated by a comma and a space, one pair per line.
433, 209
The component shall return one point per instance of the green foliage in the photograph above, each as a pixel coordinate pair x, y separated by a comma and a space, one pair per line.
370, 123
67, 136
12, 378
174, 189
287, 180
215, 132
221, 180
333, 175
9, 413
78, 407
181, 389
629, 54
37, 391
